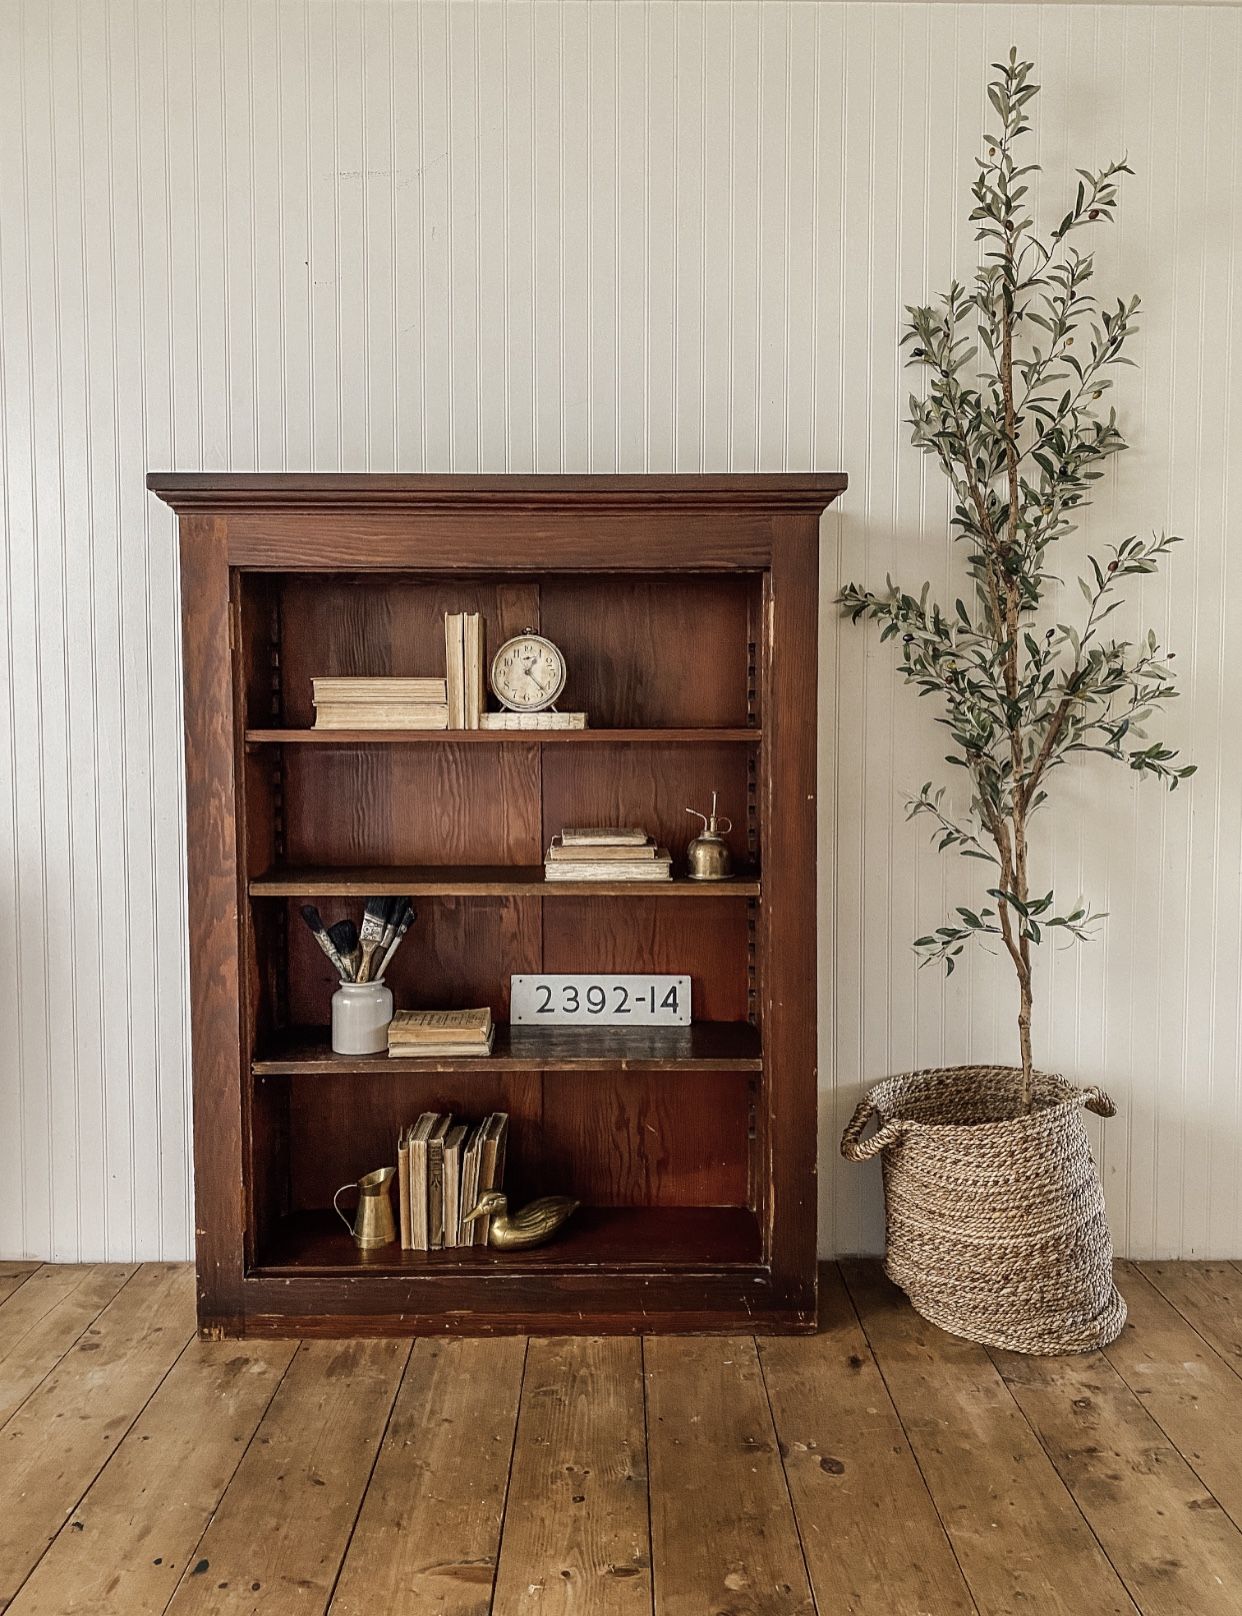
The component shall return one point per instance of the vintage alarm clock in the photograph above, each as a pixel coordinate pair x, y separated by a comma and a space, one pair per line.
528, 673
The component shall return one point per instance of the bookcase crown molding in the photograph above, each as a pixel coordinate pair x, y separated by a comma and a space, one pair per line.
205, 492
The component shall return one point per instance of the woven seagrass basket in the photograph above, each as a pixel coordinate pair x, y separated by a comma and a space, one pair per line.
996, 1222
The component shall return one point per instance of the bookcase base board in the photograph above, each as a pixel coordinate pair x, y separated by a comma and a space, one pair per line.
710, 1305
687, 608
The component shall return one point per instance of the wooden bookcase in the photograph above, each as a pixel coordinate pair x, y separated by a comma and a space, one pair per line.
686, 607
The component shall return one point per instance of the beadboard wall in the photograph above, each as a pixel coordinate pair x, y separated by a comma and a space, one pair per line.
590, 237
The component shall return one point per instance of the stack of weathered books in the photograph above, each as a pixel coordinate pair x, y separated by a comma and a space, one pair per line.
598, 853
467, 1034
380, 703
443, 1168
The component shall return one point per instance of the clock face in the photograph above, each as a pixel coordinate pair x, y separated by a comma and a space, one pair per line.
528, 673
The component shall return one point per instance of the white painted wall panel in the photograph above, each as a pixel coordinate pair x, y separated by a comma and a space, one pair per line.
565, 236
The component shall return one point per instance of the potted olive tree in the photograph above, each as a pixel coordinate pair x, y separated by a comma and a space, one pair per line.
996, 1222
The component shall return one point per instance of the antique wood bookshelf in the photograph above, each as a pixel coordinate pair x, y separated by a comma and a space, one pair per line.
686, 607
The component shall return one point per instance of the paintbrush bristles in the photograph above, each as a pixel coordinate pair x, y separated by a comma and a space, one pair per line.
312, 918
352, 951
344, 935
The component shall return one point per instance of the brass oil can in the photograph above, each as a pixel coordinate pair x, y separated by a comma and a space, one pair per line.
708, 854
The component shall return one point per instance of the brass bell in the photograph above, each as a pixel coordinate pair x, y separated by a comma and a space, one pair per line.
708, 853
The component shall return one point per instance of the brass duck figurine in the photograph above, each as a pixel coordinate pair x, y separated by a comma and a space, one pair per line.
530, 1227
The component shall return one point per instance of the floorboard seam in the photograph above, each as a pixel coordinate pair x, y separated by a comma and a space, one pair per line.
53, 1367
26, 1277
366, 1487
1069, 1491
116, 1448
192, 1557
504, 1507
642, 1374
780, 1454
1147, 1279
1168, 1436
914, 1452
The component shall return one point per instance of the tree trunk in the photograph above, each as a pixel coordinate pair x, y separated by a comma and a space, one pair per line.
1024, 1035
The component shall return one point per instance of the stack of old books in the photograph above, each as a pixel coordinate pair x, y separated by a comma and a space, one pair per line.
463, 656
443, 1168
597, 853
467, 1034
380, 703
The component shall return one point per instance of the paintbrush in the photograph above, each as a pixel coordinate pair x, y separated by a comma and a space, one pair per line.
394, 908
395, 941
344, 935
320, 933
374, 919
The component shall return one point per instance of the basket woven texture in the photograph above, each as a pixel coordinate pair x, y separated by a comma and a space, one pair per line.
996, 1223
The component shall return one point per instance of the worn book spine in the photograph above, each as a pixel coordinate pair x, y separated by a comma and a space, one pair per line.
381, 715
656, 869
604, 835
441, 1026
455, 670
418, 1194
435, 1192
470, 1185
403, 1189
629, 852
380, 688
492, 1159
473, 653
508, 720
453, 1145
440, 1051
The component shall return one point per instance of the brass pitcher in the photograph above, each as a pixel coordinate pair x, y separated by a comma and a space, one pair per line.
708, 854
373, 1221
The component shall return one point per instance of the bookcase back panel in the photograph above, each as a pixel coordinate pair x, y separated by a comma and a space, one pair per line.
268, 1181
344, 1124
647, 651
459, 953
611, 1139
706, 939
364, 625
646, 1138
650, 785
671, 650
432, 804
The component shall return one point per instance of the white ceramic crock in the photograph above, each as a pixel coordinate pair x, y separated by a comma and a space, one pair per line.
361, 1012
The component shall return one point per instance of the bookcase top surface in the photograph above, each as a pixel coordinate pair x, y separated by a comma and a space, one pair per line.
292, 491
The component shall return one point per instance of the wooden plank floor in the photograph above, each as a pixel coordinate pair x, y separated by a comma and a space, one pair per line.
879, 1468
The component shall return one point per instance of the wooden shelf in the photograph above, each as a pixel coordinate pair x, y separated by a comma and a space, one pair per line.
544, 737
620, 1238
708, 1046
479, 881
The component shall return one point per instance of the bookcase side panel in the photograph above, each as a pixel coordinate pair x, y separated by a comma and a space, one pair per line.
212, 737
788, 995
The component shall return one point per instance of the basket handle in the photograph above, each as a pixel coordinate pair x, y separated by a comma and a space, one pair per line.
1096, 1100
856, 1149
